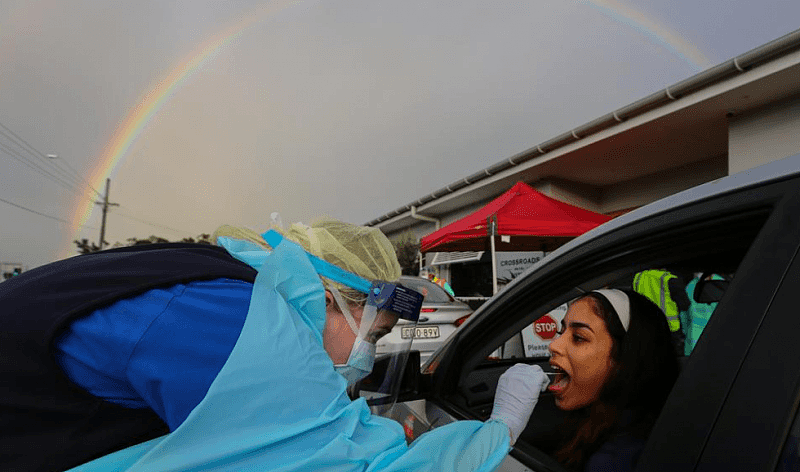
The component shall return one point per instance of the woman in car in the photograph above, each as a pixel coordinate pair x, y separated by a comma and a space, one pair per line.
616, 366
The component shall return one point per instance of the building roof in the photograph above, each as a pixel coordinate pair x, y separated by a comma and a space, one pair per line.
684, 123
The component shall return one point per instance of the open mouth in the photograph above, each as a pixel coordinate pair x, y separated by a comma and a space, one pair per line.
561, 380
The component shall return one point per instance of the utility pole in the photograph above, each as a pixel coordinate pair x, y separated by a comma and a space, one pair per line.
105, 210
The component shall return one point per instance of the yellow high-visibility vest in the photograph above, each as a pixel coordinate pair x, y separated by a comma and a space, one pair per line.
654, 284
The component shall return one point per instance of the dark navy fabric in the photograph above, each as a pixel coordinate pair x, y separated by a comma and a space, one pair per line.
621, 452
48, 422
618, 454
159, 350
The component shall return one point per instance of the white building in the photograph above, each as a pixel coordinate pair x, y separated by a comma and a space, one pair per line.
729, 118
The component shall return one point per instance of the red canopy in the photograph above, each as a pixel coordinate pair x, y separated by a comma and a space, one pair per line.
538, 221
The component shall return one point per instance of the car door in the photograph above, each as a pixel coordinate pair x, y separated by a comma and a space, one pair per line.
726, 233
713, 408
753, 419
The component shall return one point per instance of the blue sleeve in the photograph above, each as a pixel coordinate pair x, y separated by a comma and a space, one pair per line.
94, 350
161, 349
461, 446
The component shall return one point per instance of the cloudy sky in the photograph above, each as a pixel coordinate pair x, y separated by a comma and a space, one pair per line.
204, 112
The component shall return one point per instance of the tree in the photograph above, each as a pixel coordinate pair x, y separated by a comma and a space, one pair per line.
85, 247
406, 247
204, 238
139, 242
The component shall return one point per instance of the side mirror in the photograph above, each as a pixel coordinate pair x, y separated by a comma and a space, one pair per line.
710, 291
394, 377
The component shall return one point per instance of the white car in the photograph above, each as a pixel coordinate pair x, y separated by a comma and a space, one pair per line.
440, 316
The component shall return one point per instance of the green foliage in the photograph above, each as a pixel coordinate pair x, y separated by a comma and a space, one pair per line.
204, 238
85, 247
406, 247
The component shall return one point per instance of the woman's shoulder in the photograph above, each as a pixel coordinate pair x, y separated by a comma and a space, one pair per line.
618, 454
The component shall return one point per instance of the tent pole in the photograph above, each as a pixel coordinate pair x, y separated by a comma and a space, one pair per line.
494, 267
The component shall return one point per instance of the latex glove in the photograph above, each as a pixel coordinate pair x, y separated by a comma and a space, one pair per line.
517, 392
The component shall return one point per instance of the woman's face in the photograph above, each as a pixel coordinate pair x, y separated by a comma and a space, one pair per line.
337, 335
582, 356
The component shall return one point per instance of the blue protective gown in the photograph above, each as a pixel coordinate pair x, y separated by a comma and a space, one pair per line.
278, 404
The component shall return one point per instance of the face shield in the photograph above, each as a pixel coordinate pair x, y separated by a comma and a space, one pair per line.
385, 304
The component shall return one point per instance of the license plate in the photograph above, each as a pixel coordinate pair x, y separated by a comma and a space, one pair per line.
420, 332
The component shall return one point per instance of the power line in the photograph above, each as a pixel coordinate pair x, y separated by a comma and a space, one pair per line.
18, 154
33, 165
26, 147
37, 212
66, 162
67, 181
33, 211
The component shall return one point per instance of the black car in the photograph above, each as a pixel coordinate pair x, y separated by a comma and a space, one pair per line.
735, 403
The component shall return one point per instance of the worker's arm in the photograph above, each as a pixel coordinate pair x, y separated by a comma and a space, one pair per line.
160, 350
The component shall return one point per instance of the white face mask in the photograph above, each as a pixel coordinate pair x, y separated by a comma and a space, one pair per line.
362, 354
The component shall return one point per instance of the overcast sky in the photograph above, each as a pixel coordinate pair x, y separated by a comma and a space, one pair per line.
347, 108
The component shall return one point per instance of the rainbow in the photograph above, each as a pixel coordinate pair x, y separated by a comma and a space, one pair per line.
154, 100
149, 106
654, 30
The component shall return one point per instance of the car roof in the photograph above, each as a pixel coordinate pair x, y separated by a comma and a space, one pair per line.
776, 170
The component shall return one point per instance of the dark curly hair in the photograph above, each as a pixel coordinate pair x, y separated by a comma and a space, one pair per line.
644, 369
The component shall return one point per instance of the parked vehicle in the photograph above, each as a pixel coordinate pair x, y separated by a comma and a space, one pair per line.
439, 317
734, 405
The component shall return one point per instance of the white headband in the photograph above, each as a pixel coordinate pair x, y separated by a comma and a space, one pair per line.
620, 302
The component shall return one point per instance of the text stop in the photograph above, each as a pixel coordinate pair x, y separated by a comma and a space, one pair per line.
545, 327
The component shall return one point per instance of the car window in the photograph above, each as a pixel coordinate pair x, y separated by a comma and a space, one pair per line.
688, 300
708, 250
533, 340
717, 246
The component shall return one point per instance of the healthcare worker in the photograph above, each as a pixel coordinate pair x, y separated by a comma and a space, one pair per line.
278, 399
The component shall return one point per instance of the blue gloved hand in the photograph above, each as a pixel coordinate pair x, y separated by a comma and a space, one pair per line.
517, 393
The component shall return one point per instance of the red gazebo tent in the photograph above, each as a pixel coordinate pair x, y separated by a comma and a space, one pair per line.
534, 222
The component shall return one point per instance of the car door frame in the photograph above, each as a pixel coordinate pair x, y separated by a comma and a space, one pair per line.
761, 416
466, 351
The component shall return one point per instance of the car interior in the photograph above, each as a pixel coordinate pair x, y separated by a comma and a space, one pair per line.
711, 247
707, 240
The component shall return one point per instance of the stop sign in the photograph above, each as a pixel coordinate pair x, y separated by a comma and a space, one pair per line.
545, 327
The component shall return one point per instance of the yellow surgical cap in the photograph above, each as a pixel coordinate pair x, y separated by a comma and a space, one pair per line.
361, 250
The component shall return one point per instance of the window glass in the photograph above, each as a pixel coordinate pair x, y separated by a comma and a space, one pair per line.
688, 299
700, 247
537, 336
